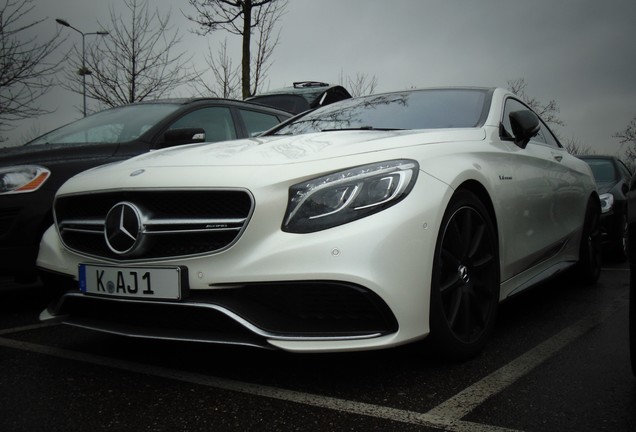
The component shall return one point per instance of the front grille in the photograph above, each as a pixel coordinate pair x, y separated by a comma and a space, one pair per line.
175, 223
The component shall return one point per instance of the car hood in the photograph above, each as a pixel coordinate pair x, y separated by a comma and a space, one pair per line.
605, 187
280, 150
248, 162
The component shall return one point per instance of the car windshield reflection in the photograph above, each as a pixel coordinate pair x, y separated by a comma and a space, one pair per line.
115, 125
424, 109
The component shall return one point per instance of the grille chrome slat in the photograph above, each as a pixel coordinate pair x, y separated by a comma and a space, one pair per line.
151, 222
94, 226
175, 223
83, 230
191, 231
173, 226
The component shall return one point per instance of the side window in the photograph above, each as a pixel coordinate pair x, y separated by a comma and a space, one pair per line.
257, 122
216, 121
540, 136
294, 104
334, 95
550, 139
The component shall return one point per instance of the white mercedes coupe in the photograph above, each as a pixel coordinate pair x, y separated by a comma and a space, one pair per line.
369, 223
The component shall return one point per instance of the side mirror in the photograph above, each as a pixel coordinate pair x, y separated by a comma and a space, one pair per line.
175, 137
525, 125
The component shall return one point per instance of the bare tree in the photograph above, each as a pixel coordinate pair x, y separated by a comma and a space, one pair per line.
266, 41
226, 77
136, 61
548, 112
574, 147
242, 18
628, 137
26, 67
359, 85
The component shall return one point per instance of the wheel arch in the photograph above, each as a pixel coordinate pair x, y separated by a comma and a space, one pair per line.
482, 194
448, 336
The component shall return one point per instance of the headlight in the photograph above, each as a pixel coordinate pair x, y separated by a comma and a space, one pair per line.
345, 196
607, 202
22, 179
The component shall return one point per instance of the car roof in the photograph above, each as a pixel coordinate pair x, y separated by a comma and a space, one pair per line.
181, 101
308, 89
301, 96
204, 100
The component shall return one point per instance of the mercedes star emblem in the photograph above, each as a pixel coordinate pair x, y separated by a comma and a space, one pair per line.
123, 228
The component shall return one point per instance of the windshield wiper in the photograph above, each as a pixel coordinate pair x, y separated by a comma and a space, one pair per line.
360, 128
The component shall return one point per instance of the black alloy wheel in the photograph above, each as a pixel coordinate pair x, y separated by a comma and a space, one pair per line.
632, 318
465, 279
632, 292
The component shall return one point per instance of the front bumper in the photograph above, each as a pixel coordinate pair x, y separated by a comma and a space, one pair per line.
248, 315
362, 285
23, 219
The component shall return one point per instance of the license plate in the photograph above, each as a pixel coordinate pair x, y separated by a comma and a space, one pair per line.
137, 282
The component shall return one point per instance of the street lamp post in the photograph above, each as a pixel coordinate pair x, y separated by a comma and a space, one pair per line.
83, 70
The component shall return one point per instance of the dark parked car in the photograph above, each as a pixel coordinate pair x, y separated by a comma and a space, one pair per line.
302, 96
31, 174
612, 179
632, 271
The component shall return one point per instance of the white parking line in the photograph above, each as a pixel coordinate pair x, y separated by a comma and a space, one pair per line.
446, 416
351, 407
464, 402
28, 327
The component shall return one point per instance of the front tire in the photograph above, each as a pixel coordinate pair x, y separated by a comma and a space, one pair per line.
465, 279
621, 249
590, 262
632, 296
632, 320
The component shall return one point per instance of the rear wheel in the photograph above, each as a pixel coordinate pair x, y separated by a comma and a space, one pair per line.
588, 269
632, 294
632, 319
465, 279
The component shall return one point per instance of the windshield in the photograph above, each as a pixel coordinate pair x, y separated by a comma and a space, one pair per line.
114, 125
418, 109
603, 170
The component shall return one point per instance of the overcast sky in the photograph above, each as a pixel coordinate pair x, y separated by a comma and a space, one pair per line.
581, 53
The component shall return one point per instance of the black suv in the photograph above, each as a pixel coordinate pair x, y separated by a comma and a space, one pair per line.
302, 96
31, 174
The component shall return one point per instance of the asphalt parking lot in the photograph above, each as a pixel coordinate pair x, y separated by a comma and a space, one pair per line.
559, 360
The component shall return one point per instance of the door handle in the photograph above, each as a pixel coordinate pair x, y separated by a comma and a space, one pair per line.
557, 157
